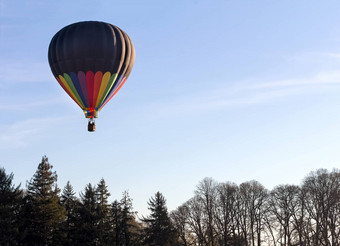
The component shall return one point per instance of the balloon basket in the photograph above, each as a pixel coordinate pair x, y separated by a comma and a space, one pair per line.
91, 126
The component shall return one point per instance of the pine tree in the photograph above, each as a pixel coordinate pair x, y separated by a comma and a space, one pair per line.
159, 230
43, 209
10, 199
129, 227
88, 217
126, 230
103, 210
116, 218
70, 203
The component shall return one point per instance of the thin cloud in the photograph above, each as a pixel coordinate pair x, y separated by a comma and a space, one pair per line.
30, 104
23, 133
247, 93
312, 57
332, 55
24, 71
207, 104
320, 79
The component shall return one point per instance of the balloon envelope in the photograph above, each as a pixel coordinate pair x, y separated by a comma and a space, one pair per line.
91, 60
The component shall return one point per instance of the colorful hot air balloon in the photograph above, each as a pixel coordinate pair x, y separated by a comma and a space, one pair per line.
91, 60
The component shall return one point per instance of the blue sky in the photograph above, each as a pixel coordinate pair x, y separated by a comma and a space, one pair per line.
233, 90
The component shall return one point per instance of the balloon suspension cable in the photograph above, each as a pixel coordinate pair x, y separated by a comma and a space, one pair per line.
92, 125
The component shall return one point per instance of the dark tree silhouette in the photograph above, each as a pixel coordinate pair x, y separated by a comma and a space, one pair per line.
125, 227
10, 199
70, 203
116, 218
43, 209
88, 217
180, 221
206, 192
129, 226
322, 191
220, 214
225, 214
103, 211
159, 230
283, 205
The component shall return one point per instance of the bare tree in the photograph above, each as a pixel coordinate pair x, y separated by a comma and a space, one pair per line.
334, 211
322, 202
253, 196
270, 222
179, 218
225, 213
206, 192
195, 220
283, 205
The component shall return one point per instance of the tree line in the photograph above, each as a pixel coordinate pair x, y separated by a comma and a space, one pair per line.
219, 214
42, 214
250, 215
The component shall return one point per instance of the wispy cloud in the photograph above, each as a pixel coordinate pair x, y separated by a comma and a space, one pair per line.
319, 79
311, 57
247, 93
28, 105
19, 77
332, 55
24, 71
23, 133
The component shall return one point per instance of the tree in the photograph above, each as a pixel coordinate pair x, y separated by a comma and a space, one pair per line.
126, 229
159, 230
253, 196
225, 214
87, 223
116, 218
129, 226
206, 192
45, 213
195, 220
103, 211
70, 203
179, 219
10, 198
283, 204
322, 191
302, 223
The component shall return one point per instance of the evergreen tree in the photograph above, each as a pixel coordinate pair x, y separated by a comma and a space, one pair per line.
159, 230
70, 203
129, 233
10, 198
103, 210
126, 230
43, 209
88, 217
116, 218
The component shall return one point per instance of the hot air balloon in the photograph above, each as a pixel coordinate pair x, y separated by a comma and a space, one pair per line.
91, 60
